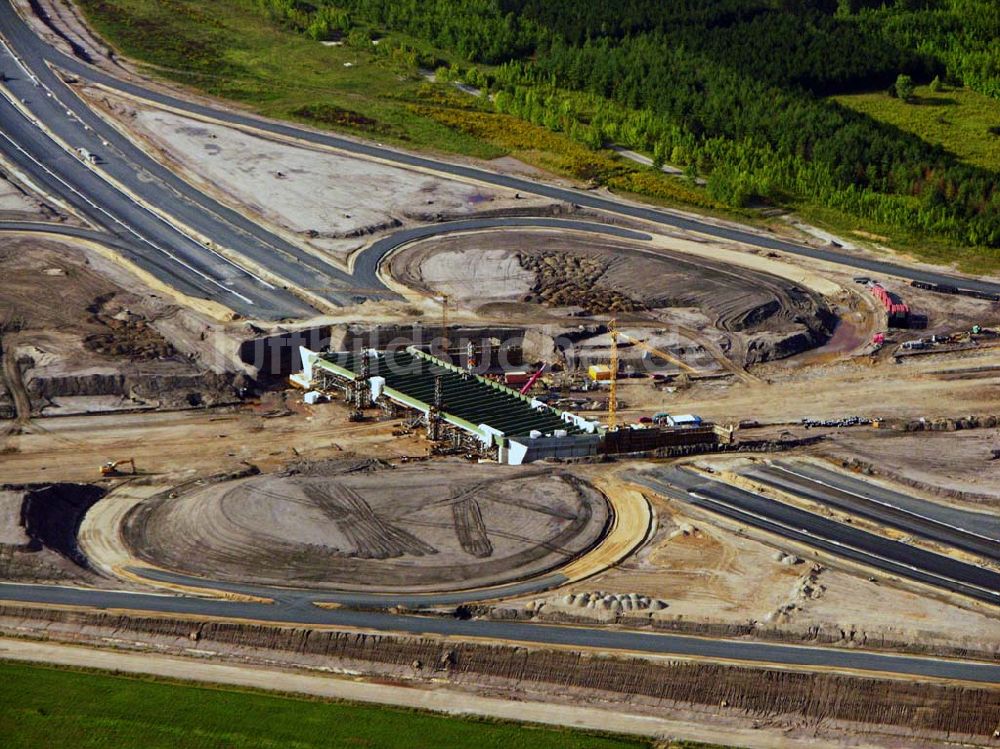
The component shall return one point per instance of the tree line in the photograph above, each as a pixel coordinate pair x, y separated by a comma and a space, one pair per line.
731, 89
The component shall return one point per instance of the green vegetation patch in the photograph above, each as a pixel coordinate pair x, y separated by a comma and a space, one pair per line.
232, 49
963, 121
41, 707
243, 50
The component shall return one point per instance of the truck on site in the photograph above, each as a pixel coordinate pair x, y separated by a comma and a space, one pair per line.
87, 155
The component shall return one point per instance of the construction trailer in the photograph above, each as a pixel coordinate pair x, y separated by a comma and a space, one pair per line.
457, 407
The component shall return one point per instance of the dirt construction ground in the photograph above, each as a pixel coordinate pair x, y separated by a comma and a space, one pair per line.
81, 334
755, 315
331, 202
368, 526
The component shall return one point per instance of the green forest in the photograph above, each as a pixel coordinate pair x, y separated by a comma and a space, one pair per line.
874, 115
736, 91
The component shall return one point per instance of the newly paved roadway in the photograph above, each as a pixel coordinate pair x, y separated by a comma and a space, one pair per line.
193, 217
118, 195
536, 634
974, 532
831, 536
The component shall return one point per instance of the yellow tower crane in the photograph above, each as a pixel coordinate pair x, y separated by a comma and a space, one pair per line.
614, 334
613, 366
661, 354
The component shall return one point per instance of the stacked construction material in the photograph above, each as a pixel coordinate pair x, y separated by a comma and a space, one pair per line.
898, 312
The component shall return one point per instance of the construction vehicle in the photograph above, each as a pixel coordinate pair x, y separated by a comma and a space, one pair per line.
533, 379
659, 353
113, 467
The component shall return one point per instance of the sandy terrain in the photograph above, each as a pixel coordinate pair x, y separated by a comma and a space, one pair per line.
968, 471
11, 531
409, 528
701, 571
846, 388
171, 447
16, 203
107, 337
329, 201
867, 612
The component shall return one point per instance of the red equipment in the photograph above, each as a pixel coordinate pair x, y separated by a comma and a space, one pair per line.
532, 380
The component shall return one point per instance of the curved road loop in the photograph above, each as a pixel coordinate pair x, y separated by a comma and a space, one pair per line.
168, 227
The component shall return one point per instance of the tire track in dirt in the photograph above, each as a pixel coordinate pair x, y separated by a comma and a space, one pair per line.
470, 529
372, 537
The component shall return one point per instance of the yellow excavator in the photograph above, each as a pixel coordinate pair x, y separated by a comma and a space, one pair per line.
114, 467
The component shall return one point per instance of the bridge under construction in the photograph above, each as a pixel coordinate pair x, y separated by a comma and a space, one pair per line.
459, 409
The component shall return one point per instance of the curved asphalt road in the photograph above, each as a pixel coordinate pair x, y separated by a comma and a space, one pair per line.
189, 216
230, 229
298, 597
535, 634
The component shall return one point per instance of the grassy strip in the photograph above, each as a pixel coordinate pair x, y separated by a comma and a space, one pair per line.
972, 260
42, 706
228, 49
964, 122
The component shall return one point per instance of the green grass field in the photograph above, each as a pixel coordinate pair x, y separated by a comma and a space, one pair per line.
47, 707
960, 120
229, 49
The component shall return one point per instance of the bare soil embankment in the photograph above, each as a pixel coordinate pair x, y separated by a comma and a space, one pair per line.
826, 707
763, 316
38, 527
80, 335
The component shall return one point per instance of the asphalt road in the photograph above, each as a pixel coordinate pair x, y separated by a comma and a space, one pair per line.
536, 634
158, 186
161, 242
115, 197
831, 536
956, 528
187, 282
299, 597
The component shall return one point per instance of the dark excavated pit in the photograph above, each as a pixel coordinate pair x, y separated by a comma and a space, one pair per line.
412, 528
38, 531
